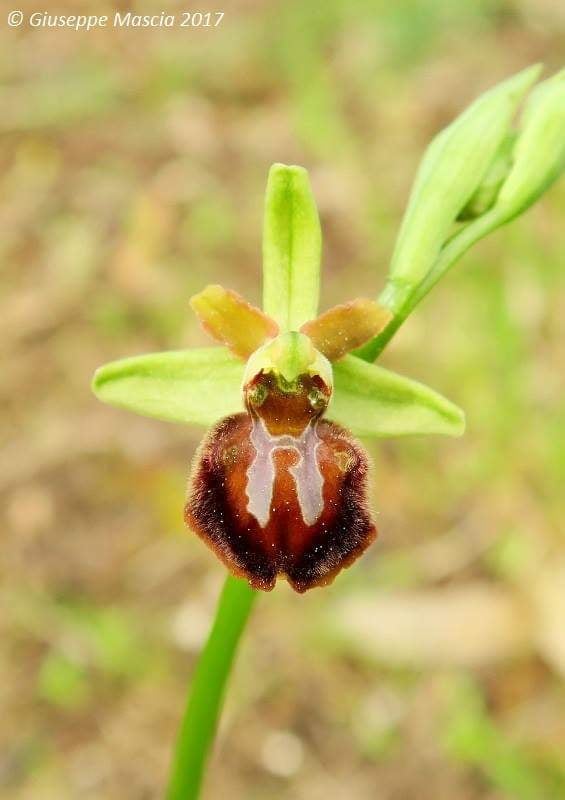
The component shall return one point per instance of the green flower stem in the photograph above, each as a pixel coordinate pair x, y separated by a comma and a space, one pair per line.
207, 690
449, 255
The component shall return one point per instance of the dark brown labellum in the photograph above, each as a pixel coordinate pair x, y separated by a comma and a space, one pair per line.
279, 491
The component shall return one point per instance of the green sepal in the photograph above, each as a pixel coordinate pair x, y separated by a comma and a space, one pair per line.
191, 386
372, 401
292, 245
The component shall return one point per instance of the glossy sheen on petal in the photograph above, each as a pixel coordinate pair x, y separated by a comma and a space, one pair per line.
286, 412
309, 553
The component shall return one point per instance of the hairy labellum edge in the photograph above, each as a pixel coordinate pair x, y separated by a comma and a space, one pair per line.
280, 543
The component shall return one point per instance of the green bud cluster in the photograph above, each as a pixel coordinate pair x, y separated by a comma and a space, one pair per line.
476, 175
479, 165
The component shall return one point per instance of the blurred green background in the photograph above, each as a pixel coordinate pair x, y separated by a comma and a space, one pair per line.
132, 169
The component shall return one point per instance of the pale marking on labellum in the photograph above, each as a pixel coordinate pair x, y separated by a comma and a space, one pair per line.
306, 473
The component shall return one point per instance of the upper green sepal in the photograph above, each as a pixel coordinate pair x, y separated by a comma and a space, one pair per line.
372, 401
292, 246
191, 386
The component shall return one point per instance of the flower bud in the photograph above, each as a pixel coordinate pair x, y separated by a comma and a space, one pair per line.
539, 155
487, 193
453, 167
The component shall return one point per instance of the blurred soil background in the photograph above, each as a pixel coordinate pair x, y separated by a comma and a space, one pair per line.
132, 170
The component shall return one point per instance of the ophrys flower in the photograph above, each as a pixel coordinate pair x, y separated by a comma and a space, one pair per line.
279, 484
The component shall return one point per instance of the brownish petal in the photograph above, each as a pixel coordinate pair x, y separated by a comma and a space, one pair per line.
216, 507
232, 321
308, 555
345, 529
343, 328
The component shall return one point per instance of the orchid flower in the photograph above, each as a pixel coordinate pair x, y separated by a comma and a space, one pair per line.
279, 484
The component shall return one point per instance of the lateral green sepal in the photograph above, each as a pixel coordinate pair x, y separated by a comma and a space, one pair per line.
372, 401
191, 386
